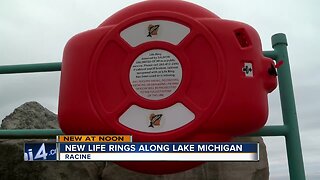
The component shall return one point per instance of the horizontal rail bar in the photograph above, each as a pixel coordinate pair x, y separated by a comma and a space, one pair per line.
30, 68
56, 66
275, 130
52, 133
270, 54
30, 133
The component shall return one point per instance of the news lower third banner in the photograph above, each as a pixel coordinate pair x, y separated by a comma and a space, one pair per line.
121, 148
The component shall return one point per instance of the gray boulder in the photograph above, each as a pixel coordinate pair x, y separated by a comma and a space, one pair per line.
208, 171
12, 165
32, 115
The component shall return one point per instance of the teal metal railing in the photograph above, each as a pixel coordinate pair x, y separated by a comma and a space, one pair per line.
289, 129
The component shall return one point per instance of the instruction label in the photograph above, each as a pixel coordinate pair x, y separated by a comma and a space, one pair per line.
155, 74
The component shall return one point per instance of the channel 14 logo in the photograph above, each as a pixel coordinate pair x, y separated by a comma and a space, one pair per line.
40, 152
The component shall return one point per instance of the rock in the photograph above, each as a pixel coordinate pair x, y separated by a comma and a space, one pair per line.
32, 115
208, 171
246, 170
12, 165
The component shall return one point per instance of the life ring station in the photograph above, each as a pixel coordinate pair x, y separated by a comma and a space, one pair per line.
165, 71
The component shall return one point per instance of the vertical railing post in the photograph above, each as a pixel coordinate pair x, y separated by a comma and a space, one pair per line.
289, 114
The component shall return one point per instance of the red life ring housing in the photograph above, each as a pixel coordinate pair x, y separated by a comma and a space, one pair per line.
165, 71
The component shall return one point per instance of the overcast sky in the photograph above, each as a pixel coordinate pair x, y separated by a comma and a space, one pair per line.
36, 31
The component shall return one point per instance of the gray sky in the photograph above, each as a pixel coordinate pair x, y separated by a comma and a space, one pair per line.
36, 31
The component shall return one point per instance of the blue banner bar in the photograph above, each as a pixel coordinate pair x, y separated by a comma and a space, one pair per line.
159, 147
